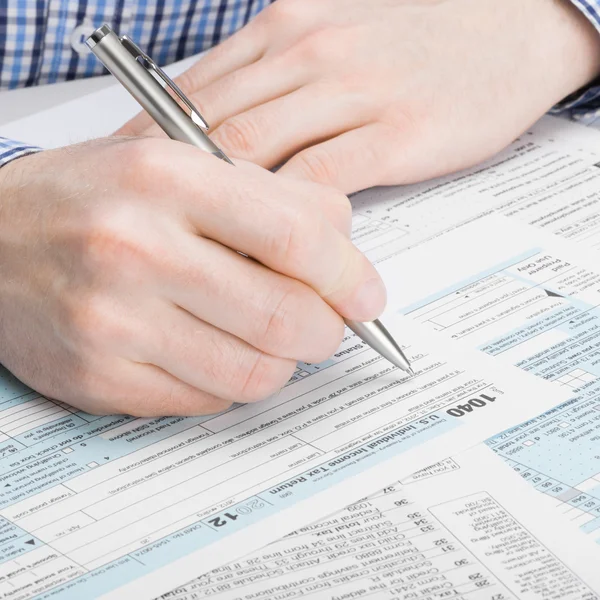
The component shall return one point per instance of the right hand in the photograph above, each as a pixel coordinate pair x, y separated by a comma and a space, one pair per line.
122, 290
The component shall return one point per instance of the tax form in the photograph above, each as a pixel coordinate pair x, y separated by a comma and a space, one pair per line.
549, 178
114, 506
532, 301
465, 528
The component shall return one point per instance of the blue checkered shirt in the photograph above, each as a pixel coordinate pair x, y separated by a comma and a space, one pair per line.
41, 41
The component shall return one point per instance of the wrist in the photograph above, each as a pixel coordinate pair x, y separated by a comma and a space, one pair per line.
571, 47
11, 150
8, 184
14, 216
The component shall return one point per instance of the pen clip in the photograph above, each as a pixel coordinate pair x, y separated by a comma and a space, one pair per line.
164, 80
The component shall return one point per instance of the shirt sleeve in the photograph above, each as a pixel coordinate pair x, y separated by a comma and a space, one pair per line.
11, 149
584, 105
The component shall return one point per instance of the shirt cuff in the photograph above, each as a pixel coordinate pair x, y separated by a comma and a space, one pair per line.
584, 105
10, 150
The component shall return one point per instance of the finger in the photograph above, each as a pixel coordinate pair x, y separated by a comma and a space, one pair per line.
141, 390
276, 28
272, 132
241, 49
331, 203
236, 92
250, 210
250, 86
287, 232
275, 314
155, 392
352, 161
212, 360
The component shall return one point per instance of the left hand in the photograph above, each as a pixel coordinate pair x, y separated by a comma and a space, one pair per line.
355, 93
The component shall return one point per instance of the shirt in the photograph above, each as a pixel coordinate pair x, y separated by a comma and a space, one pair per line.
43, 41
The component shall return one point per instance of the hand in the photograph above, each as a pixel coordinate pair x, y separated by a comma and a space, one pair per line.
121, 289
365, 92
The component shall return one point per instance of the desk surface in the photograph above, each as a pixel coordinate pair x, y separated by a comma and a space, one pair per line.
20, 103
25, 113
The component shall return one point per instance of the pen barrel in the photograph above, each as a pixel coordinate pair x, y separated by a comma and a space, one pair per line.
149, 92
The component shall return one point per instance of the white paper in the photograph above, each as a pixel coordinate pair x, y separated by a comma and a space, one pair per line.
533, 301
465, 528
121, 506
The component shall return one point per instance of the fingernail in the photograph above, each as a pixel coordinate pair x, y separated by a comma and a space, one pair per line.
369, 300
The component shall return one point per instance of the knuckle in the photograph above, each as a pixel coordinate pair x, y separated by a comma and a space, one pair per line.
83, 319
224, 360
87, 386
339, 209
329, 343
288, 245
140, 165
263, 377
318, 165
354, 82
282, 321
325, 45
179, 400
239, 135
138, 400
108, 240
92, 327
390, 156
141, 153
293, 310
285, 11
404, 122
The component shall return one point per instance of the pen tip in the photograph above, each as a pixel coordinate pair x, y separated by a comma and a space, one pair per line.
411, 372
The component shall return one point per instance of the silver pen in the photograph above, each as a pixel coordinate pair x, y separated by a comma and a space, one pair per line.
150, 86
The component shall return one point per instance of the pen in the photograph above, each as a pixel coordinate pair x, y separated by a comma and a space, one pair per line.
150, 86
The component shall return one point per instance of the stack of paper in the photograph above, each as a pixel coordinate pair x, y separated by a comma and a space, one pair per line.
504, 333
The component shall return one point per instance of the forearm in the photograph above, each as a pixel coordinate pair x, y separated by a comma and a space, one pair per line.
583, 102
